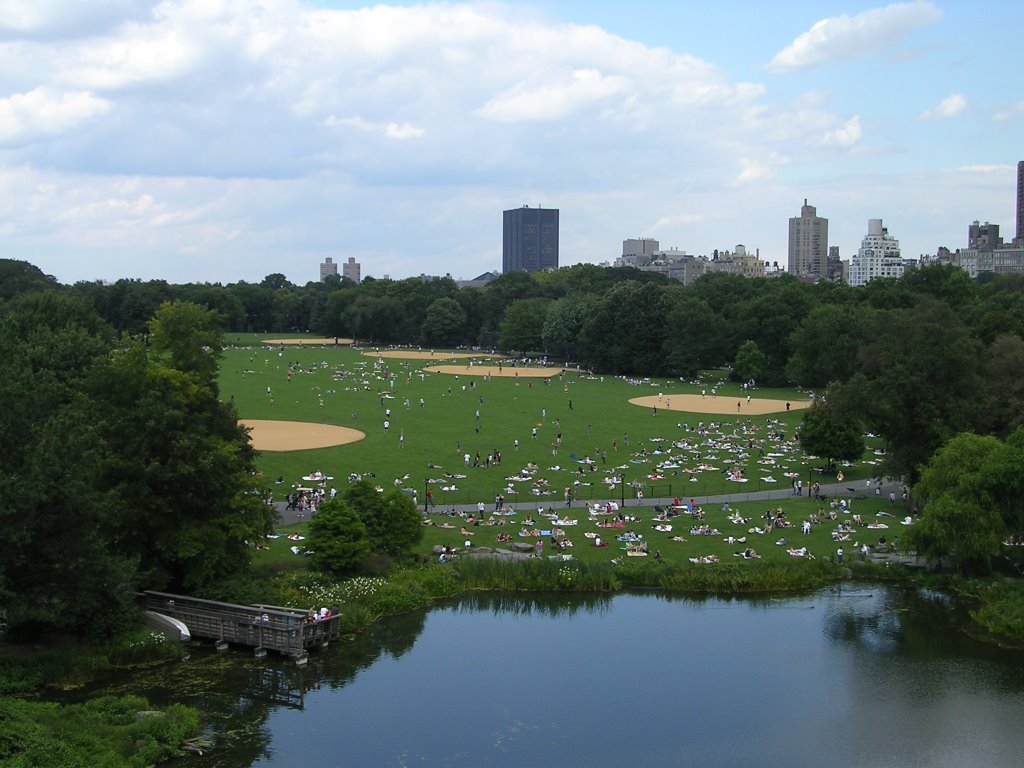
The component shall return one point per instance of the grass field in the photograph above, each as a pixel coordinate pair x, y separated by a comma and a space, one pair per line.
425, 445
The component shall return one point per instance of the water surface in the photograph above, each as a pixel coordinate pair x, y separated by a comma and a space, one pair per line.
843, 677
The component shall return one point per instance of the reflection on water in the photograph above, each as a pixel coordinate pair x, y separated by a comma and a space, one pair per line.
847, 676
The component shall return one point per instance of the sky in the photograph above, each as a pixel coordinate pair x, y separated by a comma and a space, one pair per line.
225, 140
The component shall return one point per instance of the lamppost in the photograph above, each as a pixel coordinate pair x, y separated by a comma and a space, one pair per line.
426, 486
622, 490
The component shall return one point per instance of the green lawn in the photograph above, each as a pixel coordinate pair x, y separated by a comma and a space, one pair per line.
438, 434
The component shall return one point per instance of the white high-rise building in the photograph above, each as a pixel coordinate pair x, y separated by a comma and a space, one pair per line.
878, 256
351, 270
328, 268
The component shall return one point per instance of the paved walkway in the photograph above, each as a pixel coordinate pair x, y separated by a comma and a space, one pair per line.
850, 490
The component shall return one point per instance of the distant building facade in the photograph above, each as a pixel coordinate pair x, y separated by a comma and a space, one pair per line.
1019, 241
529, 240
1001, 261
835, 268
351, 270
687, 268
808, 244
477, 282
328, 268
983, 237
878, 256
639, 252
739, 262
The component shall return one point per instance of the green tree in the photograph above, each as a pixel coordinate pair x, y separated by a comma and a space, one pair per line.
769, 319
178, 471
624, 332
522, 327
951, 285
828, 433
826, 345
1003, 386
374, 319
57, 569
287, 311
563, 323
919, 383
1002, 481
189, 335
337, 537
444, 324
693, 337
19, 277
393, 523
399, 526
750, 362
958, 516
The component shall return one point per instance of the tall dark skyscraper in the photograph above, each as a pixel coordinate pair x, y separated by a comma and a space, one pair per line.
1020, 203
530, 240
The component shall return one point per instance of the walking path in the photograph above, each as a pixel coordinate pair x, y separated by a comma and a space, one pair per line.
849, 490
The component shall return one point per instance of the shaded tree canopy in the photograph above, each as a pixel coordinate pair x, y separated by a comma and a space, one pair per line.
392, 521
337, 537
831, 434
961, 505
120, 471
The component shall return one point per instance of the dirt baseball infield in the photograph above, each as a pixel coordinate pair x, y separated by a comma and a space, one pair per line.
411, 354
493, 370
721, 404
309, 342
297, 435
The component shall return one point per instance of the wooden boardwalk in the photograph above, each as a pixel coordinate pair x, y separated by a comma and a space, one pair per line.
263, 627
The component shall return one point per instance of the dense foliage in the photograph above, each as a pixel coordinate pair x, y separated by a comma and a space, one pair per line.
106, 732
971, 492
120, 470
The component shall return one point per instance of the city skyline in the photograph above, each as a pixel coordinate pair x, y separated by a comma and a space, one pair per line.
202, 142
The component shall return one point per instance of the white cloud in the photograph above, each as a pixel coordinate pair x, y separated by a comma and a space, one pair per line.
53, 18
844, 37
1010, 112
402, 131
951, 106
975, 170
677, 220
25, 117
397, 131
845, 136
759, 169
580, 89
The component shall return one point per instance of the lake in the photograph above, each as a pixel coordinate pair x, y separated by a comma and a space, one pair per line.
848, 676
